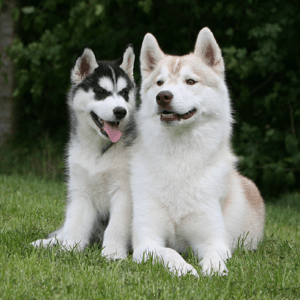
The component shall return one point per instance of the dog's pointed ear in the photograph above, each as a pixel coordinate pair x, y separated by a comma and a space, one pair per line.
151, 54
207, 48
84, 66
127, 63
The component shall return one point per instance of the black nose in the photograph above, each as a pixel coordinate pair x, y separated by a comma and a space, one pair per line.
164, 98
120, 112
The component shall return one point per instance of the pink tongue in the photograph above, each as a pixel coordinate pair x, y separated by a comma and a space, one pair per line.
113, 131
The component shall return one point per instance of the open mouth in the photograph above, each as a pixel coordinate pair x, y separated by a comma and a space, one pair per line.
168, 116
108, 129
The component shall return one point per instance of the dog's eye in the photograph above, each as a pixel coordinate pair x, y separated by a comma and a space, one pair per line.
100, 91
190, 81
125, 92
159, 82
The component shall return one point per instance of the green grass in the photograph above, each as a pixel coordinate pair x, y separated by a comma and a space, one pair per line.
30, 208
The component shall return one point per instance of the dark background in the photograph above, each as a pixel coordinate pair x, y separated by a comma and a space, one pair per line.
259, 40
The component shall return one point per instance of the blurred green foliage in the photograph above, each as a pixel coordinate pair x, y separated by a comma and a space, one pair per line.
260, 43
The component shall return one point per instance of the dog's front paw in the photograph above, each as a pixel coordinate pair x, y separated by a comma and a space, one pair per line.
181, 269
113, 253
67, 245
213, 264
44, 243
171, 259
177, 265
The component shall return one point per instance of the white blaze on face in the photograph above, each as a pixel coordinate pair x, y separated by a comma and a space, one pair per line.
164, 75
113, 130
106, 83
121, 84
107, 105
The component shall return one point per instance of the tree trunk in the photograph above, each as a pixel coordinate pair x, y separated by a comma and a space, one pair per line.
7, 26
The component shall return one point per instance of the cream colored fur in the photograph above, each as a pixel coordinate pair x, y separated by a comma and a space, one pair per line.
186, 190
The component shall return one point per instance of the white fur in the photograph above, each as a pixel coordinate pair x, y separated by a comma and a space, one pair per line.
98, 185
106, 84
121, 84
185, 189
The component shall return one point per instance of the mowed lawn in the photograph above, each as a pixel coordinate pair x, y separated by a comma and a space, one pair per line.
30, 208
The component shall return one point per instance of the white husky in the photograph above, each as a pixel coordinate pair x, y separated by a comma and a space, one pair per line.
101, 102
186, 190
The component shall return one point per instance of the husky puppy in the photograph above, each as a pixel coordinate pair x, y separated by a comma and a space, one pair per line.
101, 101
185, 187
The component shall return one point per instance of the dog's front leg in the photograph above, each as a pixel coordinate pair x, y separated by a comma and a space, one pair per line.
152, 226
80, 219
207, 236
117, 235
77, 228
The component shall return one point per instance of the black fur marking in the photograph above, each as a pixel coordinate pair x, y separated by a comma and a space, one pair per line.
98, 230
92, 82
128, 46
130, 132
119, 61
101, 94
125, 94
104, 70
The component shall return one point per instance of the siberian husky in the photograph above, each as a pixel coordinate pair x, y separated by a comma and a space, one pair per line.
185, 187
101, 101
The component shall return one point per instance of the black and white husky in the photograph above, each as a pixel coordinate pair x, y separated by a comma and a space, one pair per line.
101, 102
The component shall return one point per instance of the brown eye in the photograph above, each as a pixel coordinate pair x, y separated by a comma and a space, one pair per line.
159, 82
190, 81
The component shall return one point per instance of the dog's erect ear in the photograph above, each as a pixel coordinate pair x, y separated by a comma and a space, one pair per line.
151, 54
207, 48
127, 63
84, 66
